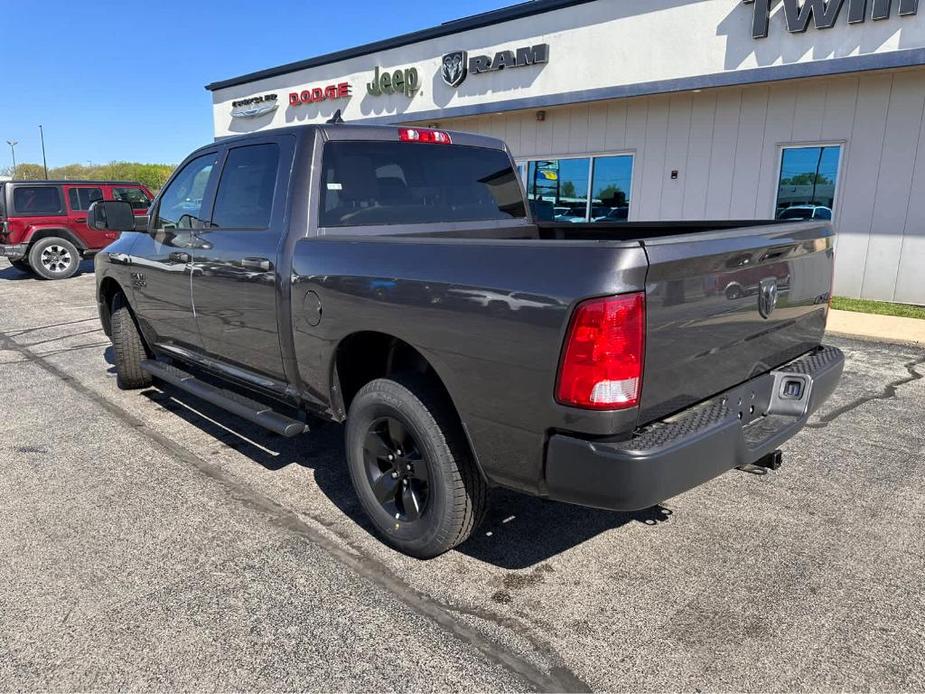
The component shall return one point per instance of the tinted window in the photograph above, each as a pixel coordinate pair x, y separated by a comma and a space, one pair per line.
37, 200
808, 177
80, 198
561, 183
245, 191
411, 183
610, 188
133, 196
181, 202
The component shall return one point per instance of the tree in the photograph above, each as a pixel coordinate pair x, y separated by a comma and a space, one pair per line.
807, 179
152, 175
567, 190
612, 195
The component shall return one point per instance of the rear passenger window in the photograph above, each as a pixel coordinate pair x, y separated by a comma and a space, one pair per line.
133, 196
372, 183
36, 200
245, 190
81, 198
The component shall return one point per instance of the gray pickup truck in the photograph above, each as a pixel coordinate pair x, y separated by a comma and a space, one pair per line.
394, 278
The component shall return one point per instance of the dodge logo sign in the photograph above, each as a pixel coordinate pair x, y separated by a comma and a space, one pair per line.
767, 297
454, 68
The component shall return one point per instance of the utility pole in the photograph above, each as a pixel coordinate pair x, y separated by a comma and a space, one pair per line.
12, 144
44, 163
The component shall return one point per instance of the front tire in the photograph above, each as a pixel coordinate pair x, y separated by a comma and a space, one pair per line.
129, 347
54, 258
411, 467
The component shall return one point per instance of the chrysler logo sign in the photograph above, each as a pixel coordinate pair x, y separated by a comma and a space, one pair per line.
824, 13
456, 66
255, 106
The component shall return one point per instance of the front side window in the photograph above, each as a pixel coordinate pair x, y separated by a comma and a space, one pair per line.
245, 191
37, 200
372, 183
181, 202
133, 196
80, 199
807, 183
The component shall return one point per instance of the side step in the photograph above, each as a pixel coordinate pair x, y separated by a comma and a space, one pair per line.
244, 407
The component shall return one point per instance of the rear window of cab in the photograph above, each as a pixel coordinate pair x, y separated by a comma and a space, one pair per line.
383, 183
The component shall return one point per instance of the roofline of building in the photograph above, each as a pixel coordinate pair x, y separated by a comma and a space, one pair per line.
505, 14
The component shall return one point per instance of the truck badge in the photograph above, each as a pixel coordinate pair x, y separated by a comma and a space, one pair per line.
767, 296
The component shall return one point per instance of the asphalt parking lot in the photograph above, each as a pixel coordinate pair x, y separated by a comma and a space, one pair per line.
150, 541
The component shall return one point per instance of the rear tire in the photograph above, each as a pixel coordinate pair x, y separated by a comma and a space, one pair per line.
129, 347
54, 258
22, 266
431, 497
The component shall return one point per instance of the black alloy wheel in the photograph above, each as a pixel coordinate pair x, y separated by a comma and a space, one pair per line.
396, 470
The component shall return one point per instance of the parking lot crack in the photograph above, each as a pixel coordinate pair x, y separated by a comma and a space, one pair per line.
889, 391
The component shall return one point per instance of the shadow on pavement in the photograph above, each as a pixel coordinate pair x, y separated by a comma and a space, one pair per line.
519, 531
11, 273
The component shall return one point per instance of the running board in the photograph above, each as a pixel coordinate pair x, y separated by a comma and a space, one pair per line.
244, 407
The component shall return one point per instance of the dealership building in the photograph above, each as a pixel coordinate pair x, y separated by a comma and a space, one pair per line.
661, 110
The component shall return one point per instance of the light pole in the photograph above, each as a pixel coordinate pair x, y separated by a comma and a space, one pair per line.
44, 163
12, 144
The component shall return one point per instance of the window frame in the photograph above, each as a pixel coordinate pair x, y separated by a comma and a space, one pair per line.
315, 211
76, 189
592, 157
15, 212
223, 160
145, 193
208, 196
836, 197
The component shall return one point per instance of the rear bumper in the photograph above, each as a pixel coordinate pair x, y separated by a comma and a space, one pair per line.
13, 251
686, 450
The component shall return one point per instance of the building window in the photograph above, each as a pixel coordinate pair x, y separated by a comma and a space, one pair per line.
586, 189
808, 181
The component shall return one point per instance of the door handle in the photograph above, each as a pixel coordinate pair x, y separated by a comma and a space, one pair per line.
179, 257
80, 220
262, 264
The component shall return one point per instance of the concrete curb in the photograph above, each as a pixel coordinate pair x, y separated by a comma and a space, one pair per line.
868, 326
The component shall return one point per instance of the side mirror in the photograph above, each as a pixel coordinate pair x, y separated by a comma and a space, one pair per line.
111, 215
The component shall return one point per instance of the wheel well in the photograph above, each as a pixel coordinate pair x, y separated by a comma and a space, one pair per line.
57, 233
366, 356
107, 292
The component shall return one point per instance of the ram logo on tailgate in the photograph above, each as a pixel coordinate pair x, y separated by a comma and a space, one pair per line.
767, 296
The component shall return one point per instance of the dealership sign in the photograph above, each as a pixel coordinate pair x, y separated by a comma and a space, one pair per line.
456, 66
405, 82
314, 95
824, 13
255, 106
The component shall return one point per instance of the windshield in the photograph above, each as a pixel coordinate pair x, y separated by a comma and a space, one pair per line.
371, 183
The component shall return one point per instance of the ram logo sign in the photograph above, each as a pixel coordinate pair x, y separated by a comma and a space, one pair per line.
825, 13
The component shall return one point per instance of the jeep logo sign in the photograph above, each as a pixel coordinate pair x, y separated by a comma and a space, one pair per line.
454, 68
824, 13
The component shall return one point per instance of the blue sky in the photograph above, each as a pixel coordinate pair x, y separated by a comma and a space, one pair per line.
124, 81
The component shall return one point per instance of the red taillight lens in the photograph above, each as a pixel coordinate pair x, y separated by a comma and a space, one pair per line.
437, 137
602, 359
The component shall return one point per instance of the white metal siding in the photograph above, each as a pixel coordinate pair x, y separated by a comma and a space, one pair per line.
726, 145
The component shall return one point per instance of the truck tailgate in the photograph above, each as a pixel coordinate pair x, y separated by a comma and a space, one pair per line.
713, 320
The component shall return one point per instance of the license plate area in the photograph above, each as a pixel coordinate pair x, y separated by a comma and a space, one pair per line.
751, 400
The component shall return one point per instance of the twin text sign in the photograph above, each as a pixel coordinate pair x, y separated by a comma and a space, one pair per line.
825, 13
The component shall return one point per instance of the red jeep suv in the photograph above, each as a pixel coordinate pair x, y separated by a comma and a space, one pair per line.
43, 224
